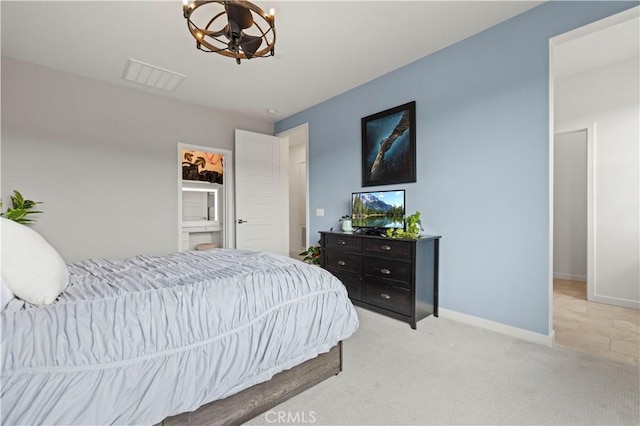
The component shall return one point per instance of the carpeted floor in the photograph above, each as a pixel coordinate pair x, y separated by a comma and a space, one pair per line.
452, 373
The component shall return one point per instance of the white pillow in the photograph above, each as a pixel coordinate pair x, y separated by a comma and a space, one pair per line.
31, 268
5, 296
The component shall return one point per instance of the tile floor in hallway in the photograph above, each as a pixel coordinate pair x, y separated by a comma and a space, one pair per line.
604, 330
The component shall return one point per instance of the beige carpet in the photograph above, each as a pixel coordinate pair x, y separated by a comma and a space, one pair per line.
452, 373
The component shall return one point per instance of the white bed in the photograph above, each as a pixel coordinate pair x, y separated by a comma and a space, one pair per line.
136, 341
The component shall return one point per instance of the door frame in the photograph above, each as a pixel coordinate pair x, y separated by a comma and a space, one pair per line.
303, 129
229, 239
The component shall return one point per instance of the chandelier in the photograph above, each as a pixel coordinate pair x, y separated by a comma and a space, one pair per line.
234, 28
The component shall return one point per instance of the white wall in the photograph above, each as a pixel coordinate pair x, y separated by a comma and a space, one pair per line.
602, 89
102, 158
297, 198
570, 206
608, 99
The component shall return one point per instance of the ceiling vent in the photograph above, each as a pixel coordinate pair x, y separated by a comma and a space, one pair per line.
152, 76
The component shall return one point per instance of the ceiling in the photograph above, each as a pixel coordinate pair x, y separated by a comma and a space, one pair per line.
323, 48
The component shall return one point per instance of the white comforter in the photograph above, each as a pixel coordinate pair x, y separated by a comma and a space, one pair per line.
138, 340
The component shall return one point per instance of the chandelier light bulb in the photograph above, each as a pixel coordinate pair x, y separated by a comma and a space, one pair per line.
272, 11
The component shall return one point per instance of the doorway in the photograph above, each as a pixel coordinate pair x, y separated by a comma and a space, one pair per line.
594, 102
298, 189
205, 194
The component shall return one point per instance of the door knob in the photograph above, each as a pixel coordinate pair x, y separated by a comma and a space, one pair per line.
242, 221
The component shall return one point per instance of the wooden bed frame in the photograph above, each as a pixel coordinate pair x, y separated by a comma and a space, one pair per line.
243, 406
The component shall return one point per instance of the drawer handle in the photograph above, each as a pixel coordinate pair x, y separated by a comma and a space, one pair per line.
385, 271
385, 247
341, 243
385, 296
341, 262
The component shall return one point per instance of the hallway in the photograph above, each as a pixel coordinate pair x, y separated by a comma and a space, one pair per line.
604, 330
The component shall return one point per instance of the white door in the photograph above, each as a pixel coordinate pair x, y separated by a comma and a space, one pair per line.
262, 192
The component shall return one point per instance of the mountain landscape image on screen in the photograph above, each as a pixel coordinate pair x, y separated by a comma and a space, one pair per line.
383, 209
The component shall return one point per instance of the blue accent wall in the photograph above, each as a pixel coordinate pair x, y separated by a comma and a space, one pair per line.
482, 108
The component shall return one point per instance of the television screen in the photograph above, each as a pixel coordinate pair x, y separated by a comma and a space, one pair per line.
378, 209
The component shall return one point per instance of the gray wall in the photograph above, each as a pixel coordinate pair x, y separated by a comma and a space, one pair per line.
482, 131
102, 158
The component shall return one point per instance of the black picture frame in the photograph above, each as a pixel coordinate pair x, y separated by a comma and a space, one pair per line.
395, 162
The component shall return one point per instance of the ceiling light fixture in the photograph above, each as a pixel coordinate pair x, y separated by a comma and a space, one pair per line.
247, 32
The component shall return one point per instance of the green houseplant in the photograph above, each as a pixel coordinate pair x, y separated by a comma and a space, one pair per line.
413, 226
21, 209
311, 255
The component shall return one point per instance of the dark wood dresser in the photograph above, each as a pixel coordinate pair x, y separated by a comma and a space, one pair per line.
395, 277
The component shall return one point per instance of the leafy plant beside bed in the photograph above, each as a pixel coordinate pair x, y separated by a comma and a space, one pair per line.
311, 255
21, 210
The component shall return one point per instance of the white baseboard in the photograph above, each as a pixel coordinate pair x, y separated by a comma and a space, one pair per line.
569, 277
625, 303
508, 330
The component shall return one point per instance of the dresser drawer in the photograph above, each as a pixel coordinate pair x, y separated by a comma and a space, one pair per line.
342, 262
388, 248
387, 269
347, 243
390, 297
351, 283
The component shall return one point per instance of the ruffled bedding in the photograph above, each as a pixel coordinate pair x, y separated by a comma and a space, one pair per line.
138, 340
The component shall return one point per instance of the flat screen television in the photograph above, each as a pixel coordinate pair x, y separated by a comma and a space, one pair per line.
378, 209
